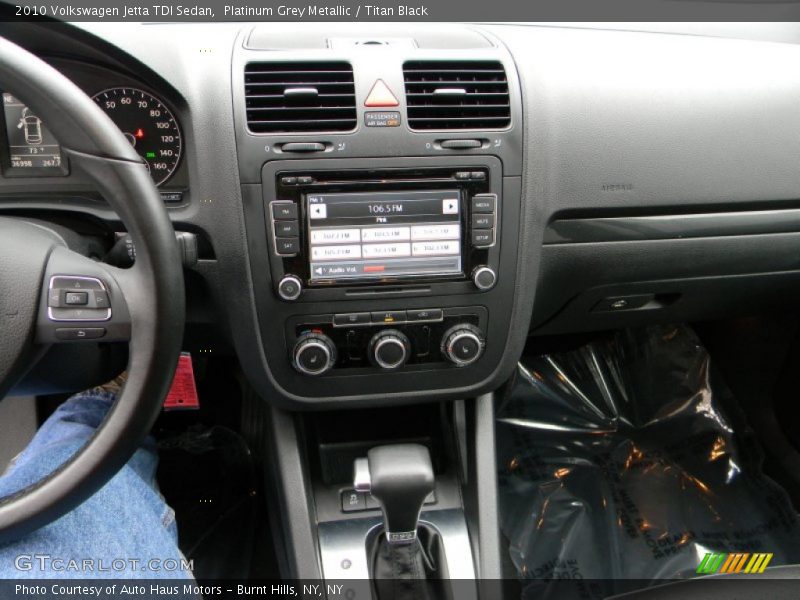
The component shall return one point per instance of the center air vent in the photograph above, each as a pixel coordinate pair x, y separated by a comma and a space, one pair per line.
295, 97
456, 95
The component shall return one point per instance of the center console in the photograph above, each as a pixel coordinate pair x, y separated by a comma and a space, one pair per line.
382, 195
385, 276
386, 231
333, 234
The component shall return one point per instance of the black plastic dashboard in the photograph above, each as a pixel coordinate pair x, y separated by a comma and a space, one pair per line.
639, 176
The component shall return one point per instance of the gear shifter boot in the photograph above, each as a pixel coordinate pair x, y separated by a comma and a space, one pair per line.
411, 571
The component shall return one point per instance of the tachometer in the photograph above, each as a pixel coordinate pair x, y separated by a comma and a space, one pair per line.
149, 126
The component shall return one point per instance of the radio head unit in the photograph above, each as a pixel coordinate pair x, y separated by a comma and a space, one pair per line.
375, 235
333, 233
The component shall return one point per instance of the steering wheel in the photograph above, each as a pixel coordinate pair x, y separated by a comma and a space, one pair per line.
143, 305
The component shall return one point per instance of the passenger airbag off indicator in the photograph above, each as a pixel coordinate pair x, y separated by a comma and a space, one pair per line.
382, 119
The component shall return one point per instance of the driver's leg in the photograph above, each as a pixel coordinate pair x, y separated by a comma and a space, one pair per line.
123, 530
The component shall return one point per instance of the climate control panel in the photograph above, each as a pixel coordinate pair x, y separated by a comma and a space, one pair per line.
389, 340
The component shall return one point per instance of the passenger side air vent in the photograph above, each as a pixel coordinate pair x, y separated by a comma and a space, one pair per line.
457, 95
294, 97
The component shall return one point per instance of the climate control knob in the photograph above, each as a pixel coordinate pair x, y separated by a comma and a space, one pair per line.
462, 344
389, 349
314, 354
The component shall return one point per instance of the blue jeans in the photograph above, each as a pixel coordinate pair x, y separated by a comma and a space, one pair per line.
125, 530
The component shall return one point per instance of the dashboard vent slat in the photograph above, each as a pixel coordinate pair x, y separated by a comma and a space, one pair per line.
457, 95
282, 97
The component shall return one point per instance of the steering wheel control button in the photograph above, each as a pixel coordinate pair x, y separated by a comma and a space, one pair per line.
389, 317
284, 211
463, 344
79, 314
424, 314
389, 349
55, 298
484, 278
75, 283
70, 334
290, 287
287, 246
314, 354
351, 319
76, 298
101, 299
484, 203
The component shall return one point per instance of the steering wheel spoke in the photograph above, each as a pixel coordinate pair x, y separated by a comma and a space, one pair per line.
82, 301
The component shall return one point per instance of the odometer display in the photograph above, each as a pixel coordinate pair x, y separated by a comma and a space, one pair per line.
149, 126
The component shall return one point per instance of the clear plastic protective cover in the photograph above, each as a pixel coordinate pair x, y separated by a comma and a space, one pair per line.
627, 459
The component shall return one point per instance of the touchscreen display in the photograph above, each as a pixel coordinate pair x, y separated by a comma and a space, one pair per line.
30, 143
384, 234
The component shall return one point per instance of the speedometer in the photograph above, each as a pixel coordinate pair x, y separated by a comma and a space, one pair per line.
149, 126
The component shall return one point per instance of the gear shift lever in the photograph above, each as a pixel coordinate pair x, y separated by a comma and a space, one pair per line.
399, 477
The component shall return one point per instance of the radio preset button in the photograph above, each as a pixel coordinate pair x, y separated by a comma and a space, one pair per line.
389, 316
286, 229
484, 203
462, 175
402, 249
445, 231
481, 221
305, 180
335, 236
289, 180
477, 176
335, 252
435, 248
287, 246
385, 234
284, 211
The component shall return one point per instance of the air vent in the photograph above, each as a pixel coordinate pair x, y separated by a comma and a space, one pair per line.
295, 97
457, 95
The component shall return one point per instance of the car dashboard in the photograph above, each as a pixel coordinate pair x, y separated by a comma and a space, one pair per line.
384, 216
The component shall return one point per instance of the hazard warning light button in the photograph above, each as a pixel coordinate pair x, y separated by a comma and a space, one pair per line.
380, 96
